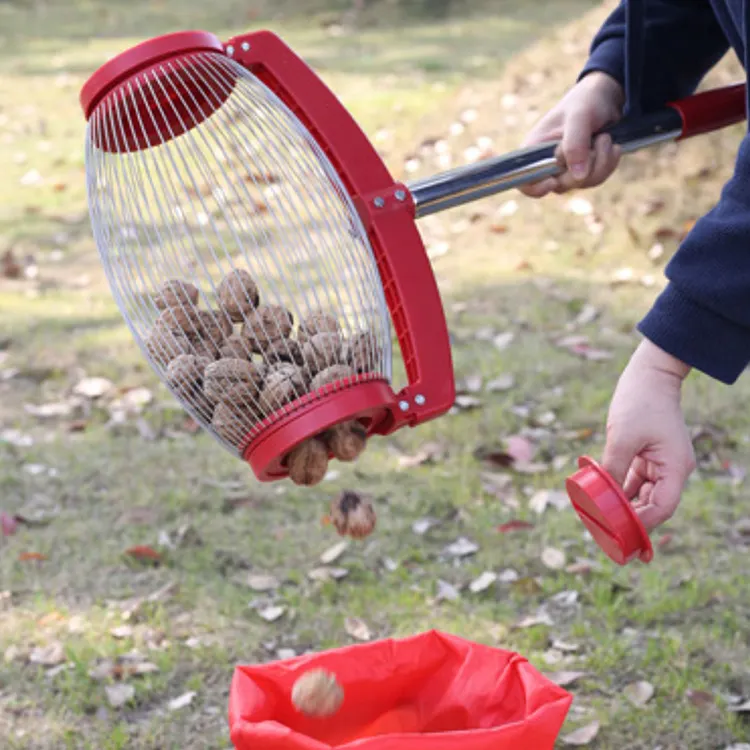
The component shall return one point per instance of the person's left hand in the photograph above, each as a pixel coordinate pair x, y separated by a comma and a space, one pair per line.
648, 450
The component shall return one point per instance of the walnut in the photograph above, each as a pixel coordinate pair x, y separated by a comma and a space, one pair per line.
220, 376
352, 516
317, 693
238, 294
176, 293
331, 375
283, 383
267, 324
308, 463
185, 373
284, 350
214, 326
347, 441
163, 345
242, 399
318, 322
200, 403
322, 351
205, 349
226, 426
361, 352
236, 347
180, 319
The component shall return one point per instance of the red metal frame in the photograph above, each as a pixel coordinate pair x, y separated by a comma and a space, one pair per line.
387, 212
711, 110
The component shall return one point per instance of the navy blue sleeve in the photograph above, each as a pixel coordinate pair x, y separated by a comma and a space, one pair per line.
681, 40
703, 316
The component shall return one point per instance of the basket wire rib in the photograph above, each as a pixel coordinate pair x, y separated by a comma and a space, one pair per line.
247, 189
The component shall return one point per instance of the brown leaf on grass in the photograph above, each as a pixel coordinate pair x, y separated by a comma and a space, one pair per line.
700, 698
144, 552
639, 693
565, 678
48, 656
516, 451
9, 266
585, 735
515, 525
119, 694
357, 628
32, 556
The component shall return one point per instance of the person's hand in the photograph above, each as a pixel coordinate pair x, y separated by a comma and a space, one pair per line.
593, 103
648, 450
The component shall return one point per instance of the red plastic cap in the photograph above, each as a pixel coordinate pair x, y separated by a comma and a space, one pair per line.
135, 59
607, 514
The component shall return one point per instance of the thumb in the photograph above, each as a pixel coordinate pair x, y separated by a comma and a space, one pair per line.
576, 143
618, 456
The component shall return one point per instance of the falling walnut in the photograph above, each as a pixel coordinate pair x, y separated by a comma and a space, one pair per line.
308, 463
352, 516
317, 693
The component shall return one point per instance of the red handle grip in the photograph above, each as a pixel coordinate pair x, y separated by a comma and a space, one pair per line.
711, 110
387, 211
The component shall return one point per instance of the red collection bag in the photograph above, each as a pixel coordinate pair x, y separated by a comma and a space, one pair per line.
427, 692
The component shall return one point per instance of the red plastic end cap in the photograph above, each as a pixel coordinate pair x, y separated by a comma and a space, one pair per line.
607, 514
135, 59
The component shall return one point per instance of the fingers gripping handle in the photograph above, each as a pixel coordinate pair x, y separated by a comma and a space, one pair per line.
684, 118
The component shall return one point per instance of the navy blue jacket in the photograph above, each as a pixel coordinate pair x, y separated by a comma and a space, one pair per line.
659, 50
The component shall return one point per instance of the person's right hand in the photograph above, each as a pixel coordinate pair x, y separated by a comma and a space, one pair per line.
595, 102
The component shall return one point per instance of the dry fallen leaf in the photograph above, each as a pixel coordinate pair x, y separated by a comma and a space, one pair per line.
700, 698
482, 583
462, 547
327, 574
447, 591
48, 656
182, 701
514, 526
119, 694
564, 679
143, 552
585, 735
742, 708
123, 631
333, 553
272, 613
357, 628
31, 556
553, 558
259, 582
544, 499
639, 693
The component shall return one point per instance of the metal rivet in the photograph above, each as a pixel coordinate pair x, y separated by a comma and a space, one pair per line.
420, 399
379, 202
400, 195
403, 405
230, 50
246, 46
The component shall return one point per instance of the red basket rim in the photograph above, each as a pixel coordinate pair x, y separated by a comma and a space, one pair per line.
132, 60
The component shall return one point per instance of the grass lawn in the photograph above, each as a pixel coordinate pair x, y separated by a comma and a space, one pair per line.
519, 278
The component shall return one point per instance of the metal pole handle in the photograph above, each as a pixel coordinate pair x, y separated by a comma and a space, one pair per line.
693, 115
